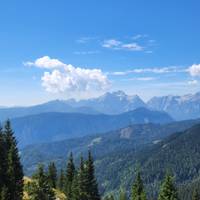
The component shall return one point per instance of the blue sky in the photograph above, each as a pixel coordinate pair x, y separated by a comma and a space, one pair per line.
63, 49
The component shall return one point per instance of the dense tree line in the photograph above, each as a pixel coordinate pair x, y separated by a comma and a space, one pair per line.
76, 183
168, 190
11, 172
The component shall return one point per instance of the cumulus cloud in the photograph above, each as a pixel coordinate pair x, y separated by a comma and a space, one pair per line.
45, 62
67, 78
194, 70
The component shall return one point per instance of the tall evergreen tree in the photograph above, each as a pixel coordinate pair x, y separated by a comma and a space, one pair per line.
61, 180
75, 188
70, 172
3, 166
52, 175
168, 190
138, 192
109, 197
92, 186
195, 195
14, 175
82, 180
40, 188
122, 195
4, 193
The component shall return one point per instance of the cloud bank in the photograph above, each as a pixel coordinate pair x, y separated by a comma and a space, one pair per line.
67, 78
194, 70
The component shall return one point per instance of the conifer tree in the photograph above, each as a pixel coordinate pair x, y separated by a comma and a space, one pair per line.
52, 175
40, 189
4, 193
75, 188
122, 195
168, 190
82, 180
61, 180
195, 195
3, 166
70, 172
138, 192
92, 186
14, 175
109, 197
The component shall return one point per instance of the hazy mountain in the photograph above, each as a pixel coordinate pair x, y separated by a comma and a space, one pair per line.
48, 127
179, 107
52, 106
111, 103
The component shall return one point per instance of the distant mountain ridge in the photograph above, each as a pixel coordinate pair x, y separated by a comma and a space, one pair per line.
51, 106
47, 127
111, 103
179, 107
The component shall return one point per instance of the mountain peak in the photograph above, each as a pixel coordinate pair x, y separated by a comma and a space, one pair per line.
119, 93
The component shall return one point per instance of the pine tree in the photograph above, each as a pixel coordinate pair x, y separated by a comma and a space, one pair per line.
138, 192
3, 166
52, 175
75, 188
70, 172
14, 175
40, 189
122, 195
109, 197
92, 186
4, 193
168, 190
82, 180
61, 180
195, 195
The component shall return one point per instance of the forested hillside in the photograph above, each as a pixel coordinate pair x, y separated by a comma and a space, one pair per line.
49, 127
118, 154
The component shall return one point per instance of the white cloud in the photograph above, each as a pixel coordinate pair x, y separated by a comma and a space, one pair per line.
84, 40
112, 43
67, 78
86, 52
140, 79
162, 70
119, 45
45, 62
194, 70
139, 36
132, 47
193, 82
146, 78
136, 37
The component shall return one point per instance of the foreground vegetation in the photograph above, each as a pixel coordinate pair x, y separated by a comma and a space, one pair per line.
70, 183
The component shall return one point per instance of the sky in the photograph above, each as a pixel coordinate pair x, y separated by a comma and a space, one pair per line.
81, 49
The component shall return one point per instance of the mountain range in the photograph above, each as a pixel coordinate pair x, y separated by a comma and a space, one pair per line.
179, 107
47, 127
